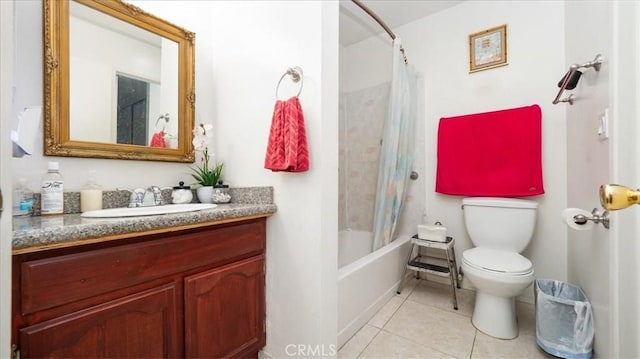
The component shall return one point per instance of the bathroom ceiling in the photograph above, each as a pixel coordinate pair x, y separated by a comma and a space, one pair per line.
356, 25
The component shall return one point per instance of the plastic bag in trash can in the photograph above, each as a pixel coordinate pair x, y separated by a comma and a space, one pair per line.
564, 321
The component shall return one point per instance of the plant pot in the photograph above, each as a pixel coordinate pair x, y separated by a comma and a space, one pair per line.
204, 194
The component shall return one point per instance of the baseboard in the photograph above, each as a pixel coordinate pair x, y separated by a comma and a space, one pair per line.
264, 355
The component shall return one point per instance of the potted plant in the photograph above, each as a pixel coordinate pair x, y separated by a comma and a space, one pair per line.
205, 175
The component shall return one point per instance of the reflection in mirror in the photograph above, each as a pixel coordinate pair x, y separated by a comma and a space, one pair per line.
131, 110
118, 83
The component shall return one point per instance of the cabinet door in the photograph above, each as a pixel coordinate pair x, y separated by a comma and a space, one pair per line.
142, 325
224, 310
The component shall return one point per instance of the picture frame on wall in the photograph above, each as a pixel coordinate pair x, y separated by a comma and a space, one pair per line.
488, 49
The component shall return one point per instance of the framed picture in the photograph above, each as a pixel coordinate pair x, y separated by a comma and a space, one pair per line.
488, 49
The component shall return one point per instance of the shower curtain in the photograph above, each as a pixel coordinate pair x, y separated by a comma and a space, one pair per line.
396, 152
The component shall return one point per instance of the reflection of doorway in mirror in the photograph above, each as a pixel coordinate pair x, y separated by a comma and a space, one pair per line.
132, 111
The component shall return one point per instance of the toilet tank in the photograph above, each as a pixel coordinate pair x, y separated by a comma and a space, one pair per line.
500, 223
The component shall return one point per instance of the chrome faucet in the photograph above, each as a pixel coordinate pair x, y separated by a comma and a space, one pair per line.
152, 196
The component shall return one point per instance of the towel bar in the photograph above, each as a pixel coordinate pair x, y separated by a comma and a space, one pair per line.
596, 64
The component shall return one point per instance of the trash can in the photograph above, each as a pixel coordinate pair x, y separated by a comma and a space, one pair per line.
564, 320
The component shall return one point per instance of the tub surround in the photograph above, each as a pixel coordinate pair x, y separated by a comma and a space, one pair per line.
35, 233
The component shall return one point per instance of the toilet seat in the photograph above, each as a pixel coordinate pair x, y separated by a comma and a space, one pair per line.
497, 261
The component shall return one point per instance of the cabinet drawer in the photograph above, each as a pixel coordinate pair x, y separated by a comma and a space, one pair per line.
47, 283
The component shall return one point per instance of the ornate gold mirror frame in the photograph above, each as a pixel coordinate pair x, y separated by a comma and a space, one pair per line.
57, 141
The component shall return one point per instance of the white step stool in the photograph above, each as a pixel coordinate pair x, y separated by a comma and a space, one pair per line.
419, 263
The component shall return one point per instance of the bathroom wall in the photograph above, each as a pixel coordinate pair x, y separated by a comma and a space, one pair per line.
242, 49
248, 47
437, 45
6, 76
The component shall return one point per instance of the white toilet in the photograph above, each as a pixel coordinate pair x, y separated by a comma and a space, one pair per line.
500, 228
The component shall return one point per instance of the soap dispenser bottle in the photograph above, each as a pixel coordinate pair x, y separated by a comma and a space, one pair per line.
91, 194
52, 191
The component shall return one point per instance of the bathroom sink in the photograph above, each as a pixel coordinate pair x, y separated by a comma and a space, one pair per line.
147, 211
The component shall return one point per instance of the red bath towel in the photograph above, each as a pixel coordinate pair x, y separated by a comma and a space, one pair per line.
287, 147
157, 140
491, 154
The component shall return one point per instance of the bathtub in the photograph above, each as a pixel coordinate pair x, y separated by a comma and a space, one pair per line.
366, 281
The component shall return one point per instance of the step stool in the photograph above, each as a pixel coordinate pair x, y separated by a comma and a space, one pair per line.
419, 263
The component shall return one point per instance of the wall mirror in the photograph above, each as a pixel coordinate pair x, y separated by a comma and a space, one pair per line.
118, 83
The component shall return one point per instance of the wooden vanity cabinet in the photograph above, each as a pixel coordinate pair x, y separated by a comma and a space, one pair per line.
191, 293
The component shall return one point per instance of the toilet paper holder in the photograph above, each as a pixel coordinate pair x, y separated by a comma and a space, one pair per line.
596, 217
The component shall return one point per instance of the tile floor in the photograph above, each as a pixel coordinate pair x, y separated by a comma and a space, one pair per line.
421, 323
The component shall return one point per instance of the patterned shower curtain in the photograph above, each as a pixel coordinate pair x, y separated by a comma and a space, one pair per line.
396, 152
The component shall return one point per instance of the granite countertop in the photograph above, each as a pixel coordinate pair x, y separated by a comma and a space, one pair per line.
40, 232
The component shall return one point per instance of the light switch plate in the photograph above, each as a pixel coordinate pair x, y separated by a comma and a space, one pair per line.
603, 125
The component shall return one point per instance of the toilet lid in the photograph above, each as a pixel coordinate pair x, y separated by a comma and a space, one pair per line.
497, 261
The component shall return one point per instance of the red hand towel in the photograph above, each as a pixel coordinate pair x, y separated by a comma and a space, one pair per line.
157, 140
287, 148
491, 154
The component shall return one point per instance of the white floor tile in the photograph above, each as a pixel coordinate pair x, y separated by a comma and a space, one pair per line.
358, 342
387, 345
435, 328
426, 326
409, 286
439, 295
385, 313
526, 318
524, 346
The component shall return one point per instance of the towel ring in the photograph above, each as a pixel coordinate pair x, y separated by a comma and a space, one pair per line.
164, 117
296, 76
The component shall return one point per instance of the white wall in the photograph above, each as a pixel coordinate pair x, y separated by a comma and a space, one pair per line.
368, 63
242, 49
437, 45
7, 43
302, 264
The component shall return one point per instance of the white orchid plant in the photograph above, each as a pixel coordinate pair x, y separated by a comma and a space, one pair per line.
203, 174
